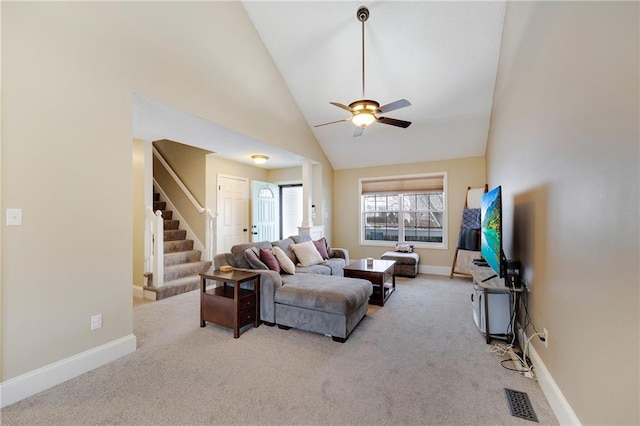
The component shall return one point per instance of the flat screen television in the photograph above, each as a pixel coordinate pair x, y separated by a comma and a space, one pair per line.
491, 230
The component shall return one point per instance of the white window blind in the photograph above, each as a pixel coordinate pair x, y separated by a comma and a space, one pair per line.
403, 185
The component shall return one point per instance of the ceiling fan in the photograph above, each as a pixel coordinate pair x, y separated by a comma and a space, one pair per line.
364, 111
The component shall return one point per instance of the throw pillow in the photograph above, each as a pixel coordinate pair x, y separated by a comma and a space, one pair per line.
404, 248
251, 256
269, 259
285, 263
307, 253
321, 246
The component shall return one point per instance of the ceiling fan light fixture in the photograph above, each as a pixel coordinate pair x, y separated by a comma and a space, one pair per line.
259, 158
363, 118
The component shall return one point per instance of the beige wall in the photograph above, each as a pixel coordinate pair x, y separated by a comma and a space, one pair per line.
69, 70
138, 171
461, 174
564, 145
189, 164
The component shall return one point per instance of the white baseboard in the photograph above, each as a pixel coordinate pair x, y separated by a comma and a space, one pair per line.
434, 270
28, 384
138, 291
149, 295
555, 397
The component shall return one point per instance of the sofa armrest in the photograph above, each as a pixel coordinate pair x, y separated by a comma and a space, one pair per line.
341, 253
270, 281
222, 259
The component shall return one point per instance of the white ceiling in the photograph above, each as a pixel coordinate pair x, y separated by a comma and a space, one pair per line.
441, 56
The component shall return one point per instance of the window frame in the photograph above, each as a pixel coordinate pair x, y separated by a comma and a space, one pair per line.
444, 245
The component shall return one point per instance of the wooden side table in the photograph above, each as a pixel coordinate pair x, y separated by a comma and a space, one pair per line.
230, 306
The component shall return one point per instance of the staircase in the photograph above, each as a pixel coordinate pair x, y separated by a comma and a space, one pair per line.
182, 264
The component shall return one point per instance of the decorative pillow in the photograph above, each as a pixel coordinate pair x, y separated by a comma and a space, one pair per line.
269, 259
321, 246
307, 253
285, 263
404, 248
251, 256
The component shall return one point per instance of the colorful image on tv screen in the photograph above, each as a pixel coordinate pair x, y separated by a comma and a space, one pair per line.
491, 235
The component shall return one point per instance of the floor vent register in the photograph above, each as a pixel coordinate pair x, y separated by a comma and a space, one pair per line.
519, 405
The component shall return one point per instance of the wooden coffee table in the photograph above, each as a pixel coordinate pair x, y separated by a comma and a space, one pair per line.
379, 274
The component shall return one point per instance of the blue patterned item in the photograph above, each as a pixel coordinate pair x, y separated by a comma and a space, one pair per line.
471, 219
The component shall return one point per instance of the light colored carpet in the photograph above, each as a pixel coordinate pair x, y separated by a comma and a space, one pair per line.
417, 360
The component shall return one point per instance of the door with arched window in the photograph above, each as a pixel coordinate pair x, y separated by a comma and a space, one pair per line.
264, 211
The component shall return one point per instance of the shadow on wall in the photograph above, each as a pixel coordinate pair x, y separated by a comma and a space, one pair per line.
530, 234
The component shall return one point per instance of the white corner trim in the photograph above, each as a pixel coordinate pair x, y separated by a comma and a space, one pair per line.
28, 384
550, 389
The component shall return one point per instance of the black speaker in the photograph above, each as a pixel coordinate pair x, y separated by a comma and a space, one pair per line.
513, 273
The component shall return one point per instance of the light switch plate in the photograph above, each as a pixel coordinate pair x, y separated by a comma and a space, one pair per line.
14, 217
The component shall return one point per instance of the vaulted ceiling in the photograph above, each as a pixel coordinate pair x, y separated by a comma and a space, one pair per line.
441, 56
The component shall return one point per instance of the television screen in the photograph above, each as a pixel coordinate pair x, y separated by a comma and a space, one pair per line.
491, 229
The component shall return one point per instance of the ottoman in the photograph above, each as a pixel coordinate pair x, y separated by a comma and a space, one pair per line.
406, 263
322, 303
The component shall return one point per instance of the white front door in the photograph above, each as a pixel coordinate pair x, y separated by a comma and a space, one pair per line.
233, 217
264, 211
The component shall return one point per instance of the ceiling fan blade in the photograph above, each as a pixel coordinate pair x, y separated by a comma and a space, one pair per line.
339, 105
358, 131
394, 105
394, 122
332, 122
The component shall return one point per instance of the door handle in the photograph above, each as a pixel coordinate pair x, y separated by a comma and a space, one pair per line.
254, 233
244, 230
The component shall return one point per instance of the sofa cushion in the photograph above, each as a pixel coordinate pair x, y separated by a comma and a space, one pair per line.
321, 246
237, 252
337, 295
319, 269
307, 253
285, 245
251, 255
267, 257
285, 263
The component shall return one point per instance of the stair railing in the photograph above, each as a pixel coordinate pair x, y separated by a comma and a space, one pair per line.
155, 227
211, 223
209, 217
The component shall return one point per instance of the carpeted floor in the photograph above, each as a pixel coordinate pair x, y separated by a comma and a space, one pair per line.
418, 360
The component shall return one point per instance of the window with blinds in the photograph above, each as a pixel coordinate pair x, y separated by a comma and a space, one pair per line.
404, 209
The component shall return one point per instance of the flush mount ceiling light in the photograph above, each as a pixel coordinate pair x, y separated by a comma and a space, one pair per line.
364, 111
259, 158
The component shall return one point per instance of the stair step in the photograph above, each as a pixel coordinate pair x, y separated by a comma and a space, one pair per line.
179, 257
166, 214
156, 196
175, 272
159, 205
171, 224
175, 234
175, 287
180, 245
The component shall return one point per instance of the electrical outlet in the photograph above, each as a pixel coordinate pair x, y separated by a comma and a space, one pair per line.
96, 322
545, 336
